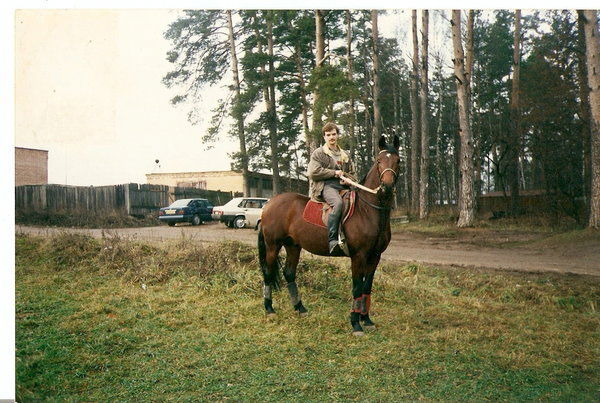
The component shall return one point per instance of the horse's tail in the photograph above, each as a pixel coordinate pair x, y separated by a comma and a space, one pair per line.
270, 274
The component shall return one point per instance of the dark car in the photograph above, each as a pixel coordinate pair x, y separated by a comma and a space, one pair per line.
194, 211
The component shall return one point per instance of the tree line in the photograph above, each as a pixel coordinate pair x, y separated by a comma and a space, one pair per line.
515, 107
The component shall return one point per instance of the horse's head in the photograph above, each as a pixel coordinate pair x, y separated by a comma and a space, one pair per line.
388, 162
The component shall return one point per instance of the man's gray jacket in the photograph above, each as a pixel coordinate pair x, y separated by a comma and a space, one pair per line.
322, 166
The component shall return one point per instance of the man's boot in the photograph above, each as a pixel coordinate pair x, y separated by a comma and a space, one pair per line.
333, 223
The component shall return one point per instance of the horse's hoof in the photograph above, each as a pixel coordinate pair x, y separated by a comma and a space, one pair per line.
358, 333
370, 327
303, 314
271, 315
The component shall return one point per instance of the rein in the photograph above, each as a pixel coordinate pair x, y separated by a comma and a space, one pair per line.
373, 205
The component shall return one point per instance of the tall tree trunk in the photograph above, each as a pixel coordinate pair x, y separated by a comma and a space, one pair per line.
367, 113
469, 62
592, 42
320, 58
414, 143
438, 150
406, 142
396, 132
424, 172
469, 65
302, 83
467, 212
515, 112
584, 111
272, 108
239, 116
350, 75
376, 109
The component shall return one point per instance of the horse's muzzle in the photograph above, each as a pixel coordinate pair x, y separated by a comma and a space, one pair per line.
385, 191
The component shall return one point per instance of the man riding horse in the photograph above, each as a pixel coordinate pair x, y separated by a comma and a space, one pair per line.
367, 231
327, 164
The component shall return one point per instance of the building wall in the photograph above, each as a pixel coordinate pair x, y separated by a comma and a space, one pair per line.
31, 166
227, 181
261, 185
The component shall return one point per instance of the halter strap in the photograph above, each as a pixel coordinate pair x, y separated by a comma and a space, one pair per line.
374, 191
387, 169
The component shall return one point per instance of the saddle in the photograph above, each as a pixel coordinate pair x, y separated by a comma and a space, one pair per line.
317, 213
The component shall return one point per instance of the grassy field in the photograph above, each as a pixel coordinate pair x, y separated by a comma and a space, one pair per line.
83, 220
113, 319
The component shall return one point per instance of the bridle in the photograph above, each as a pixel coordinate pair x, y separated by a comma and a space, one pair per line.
384, 171
380, 182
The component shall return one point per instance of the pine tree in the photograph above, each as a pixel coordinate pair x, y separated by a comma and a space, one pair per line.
466, 206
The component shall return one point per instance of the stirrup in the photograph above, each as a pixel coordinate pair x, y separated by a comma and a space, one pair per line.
342, 243
336, 250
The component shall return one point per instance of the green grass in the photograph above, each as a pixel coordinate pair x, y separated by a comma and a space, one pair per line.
505, 232
112, 319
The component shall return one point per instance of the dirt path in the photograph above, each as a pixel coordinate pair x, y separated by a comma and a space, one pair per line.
405, 247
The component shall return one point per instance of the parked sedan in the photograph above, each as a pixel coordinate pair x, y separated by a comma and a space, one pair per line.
194, 211
234, 213
253, 218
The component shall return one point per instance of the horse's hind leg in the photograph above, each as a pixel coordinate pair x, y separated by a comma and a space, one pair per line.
271, 278
291, 263
268, 257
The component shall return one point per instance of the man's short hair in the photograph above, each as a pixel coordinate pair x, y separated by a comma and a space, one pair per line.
329, 127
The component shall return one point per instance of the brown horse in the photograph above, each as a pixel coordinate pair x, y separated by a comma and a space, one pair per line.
367, 236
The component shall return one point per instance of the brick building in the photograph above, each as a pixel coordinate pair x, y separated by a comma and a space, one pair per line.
31, 166
261, 185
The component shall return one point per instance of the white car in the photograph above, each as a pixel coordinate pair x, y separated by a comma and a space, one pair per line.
253, 218
240, 212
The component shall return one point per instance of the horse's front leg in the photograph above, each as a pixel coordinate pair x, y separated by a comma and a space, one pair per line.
362, 286
359, 281
368, 286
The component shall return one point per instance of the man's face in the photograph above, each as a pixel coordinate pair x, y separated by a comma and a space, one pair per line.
331, 137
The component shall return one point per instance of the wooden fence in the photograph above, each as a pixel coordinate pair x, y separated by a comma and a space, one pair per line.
216, 197
70, 198
141, 200
128, 199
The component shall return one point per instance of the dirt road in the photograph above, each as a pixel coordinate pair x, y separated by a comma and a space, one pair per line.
405, 247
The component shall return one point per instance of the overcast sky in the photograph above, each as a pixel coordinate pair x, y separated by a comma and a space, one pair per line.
88, 89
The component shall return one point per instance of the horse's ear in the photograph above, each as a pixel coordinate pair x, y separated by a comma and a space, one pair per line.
382, 144
396, 142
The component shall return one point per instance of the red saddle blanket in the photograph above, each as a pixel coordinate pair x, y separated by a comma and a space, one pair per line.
317, 213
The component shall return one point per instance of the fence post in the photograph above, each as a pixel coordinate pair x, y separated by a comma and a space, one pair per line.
127, 198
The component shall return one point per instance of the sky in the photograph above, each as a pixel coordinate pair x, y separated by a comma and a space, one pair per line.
85, 84
88, 89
